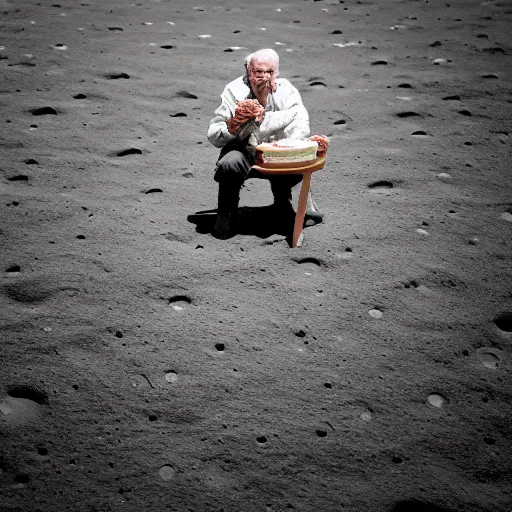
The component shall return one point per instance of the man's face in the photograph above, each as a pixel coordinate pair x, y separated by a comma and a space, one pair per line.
262, 75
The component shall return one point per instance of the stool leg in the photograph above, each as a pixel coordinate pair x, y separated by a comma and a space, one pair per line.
301, 208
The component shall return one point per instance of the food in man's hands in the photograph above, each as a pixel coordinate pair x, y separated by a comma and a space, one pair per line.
246, 111
249, 109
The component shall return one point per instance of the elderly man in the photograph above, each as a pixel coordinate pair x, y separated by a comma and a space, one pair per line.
255, 108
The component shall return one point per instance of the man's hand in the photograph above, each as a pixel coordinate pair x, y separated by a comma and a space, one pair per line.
246, 111
323, 144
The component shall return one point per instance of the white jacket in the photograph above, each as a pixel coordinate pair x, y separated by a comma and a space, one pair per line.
288, 118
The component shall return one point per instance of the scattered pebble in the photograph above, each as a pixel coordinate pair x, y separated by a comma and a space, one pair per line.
366, 416
422, 232
5, 409
444, 177
375, 313
436, 400
171, 377
166, 473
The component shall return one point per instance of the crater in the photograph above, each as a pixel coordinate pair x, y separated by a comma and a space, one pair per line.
118, 76
44, 111
186, 94
408, 114
28, 392
489, 357
35, 291
27, 291
129, 151
18, 177
180, 302
309, 260
503, 321
381, 187
494, 50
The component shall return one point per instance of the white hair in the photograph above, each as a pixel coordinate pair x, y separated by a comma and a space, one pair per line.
265, 54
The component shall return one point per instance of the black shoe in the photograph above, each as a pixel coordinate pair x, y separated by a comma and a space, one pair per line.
225, 226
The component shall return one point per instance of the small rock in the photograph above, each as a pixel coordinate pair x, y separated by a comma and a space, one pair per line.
444, 177
273, 239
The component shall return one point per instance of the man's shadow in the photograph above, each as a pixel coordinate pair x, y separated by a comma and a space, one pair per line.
259, 221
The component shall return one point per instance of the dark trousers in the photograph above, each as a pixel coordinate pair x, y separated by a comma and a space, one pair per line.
234, 166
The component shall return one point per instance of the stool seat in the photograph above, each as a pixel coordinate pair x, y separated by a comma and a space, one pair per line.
306, 170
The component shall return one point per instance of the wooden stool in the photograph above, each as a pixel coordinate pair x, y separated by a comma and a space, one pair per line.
306, 171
